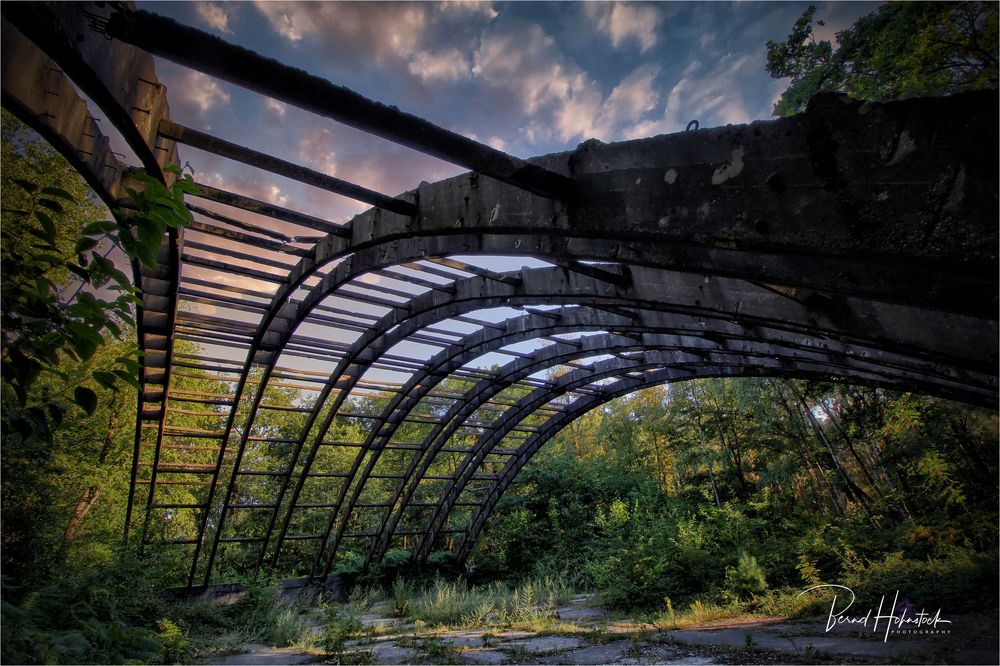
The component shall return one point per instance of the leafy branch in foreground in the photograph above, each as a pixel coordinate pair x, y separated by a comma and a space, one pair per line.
43, 322
903, 49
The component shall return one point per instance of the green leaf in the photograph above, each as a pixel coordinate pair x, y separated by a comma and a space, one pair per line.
50, 259
51, 204
120, 278
56, 412
83, 340
39, 418
86, 398
85, 244
130, 364
104, 226
58, 373
136, 197
130, 378
149, 244
47, 224
129, 245
57, 192
79, 271
26, 185
105, 379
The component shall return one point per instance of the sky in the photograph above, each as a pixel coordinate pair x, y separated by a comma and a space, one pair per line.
528, 78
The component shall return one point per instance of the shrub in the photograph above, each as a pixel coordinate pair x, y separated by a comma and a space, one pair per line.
957, 582
71, 624
747, 578
176, 646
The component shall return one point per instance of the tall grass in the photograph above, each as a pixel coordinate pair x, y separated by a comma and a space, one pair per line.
787, 602
451, 602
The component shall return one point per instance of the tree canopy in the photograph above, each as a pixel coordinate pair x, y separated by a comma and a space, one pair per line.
904, 49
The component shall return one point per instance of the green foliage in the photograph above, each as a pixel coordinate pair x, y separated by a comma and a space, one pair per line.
258, 616
955, 582
79, 622
68, 351
452, 603
176, 646
665, 494
747, 578
43, 322
400, 595
343, 624
903, 49
349, 566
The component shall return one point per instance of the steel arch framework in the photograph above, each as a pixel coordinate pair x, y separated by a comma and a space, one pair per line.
855, 241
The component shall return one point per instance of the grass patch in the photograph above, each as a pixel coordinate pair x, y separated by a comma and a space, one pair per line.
774, 603
451, 603
203, 627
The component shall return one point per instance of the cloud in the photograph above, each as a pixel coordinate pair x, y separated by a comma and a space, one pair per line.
201, 91
446, 65
214, 14
558, 97
420, 42
378, 29
624, 22
283, 18
470, 7
634, 97
316, 150
716, 96
248, 187
527, 63
275, 107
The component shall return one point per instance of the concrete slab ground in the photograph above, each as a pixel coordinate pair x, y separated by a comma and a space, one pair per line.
388, 652
544, 644
609, 653
483, 657
586, 635
264, 656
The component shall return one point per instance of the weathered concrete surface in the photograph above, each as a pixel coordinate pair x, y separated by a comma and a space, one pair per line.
581, 614
464, 639
388, 652
262, 655
545, 644
483, 657
608, 653
627, 642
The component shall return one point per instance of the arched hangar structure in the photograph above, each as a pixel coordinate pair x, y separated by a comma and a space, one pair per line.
854, 241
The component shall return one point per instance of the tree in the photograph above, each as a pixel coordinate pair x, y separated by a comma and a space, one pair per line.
63, 343
904, 49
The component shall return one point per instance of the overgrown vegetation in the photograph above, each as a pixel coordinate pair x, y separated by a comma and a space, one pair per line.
740, 494
902, 49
